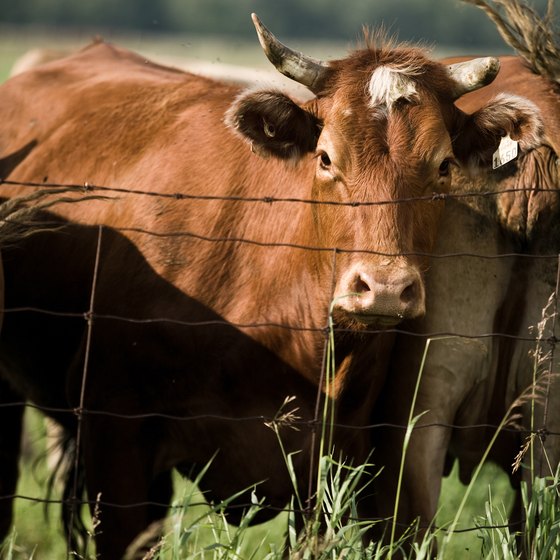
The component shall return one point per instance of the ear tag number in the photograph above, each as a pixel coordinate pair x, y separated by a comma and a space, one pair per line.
506, 152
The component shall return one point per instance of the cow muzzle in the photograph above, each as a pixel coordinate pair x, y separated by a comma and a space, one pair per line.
381, 296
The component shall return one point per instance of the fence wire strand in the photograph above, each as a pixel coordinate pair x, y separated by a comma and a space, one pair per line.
89, 187
269, 200
80, 409
301, 424
92, 319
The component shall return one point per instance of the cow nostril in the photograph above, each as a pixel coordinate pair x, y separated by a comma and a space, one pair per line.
360, 286
410, 293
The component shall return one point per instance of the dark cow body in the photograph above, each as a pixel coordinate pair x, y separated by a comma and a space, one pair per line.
175, 323
18, 221
498, 304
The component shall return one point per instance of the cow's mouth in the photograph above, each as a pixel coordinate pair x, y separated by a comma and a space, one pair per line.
382, 321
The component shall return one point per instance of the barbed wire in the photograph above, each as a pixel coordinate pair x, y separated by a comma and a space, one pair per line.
87, 316
312, 248
299, 423
319, 249
89, 187
243, 506
91, 317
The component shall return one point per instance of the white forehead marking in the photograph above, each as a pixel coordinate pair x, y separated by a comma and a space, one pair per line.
387, 85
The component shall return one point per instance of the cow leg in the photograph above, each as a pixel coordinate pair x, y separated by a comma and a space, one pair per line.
449, 376
119, 460
11, 418
423, 474
421, 479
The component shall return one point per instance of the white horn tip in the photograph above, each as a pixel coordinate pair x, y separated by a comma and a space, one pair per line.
474, 74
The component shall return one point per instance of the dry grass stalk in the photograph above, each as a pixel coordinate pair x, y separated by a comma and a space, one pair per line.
538, 391
522, 452
19, 215
283, 418
533, 36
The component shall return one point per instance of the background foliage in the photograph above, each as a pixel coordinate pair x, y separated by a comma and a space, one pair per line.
447, 22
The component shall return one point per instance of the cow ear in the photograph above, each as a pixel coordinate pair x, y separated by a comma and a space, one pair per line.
482, 132
274, 124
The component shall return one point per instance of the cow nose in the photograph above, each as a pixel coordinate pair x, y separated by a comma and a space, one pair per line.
382, 295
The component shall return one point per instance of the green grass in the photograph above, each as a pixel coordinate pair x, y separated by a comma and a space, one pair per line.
39, 537
36, 536
467, 545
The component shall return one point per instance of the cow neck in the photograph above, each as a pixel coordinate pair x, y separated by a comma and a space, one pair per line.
289, 271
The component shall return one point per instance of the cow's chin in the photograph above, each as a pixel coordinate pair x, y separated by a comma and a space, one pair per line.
363, 321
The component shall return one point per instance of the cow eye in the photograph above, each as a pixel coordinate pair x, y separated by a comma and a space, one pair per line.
324, 159
445, 167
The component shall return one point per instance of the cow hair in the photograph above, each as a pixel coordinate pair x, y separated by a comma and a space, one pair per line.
392, 81
389, 85
380, 40
533, 37
401, 69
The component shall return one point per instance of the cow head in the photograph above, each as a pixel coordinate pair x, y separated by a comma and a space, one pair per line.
381, 134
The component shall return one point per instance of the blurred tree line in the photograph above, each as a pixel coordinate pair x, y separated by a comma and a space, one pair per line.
443, 21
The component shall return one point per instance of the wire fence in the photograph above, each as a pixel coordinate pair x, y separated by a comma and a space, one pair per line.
74, 502
91, 318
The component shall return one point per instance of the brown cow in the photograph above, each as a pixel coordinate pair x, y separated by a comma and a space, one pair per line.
472, 378
36, 57
174, 323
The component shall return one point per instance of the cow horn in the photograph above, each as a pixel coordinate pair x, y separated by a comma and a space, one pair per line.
473, 74
297, 66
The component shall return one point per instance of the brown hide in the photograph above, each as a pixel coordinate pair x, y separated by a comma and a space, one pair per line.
472, 378
200, 312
